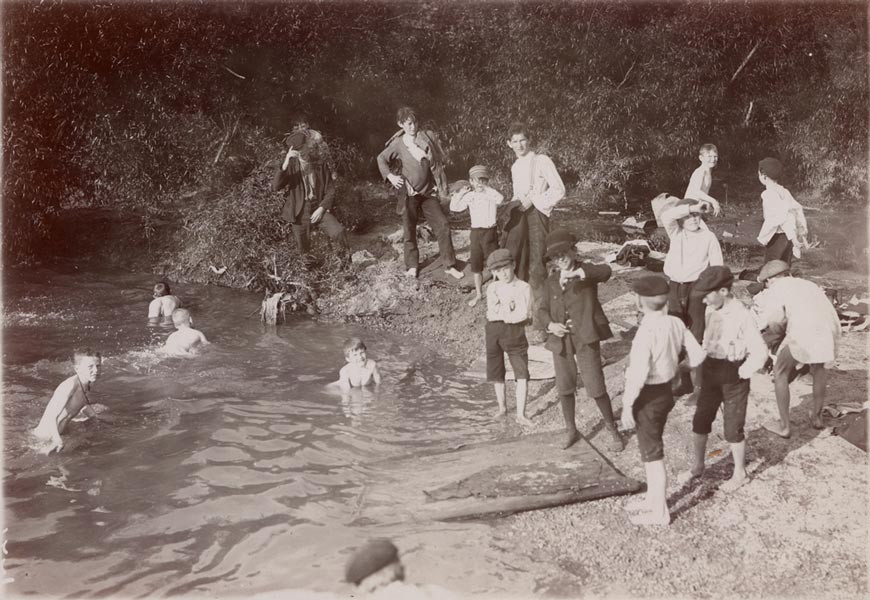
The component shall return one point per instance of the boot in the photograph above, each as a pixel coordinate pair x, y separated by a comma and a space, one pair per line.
615, 443
572, 435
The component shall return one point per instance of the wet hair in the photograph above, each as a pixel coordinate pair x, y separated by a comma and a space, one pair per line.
162, 287
180, 316
353, 344
82, 353
654, 302
405, 113
705, 148
518, 128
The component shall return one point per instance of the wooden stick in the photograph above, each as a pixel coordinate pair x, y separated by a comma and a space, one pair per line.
746, 60
226, 141
234, 73
626, 75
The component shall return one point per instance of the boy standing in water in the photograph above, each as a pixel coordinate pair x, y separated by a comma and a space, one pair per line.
648, 397
508, 309
69, 399
185, 340
359, 370
163, 304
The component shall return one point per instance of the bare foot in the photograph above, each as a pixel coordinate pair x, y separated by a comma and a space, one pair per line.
651, 517
690, 475
474, 300
777, 429
571, 439
816, 422
453, 273
522, 420
735, 482
502, 411
412, 272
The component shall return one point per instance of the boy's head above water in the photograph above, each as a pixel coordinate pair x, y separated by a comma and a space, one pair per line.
161, 288
181, 317
86, 363
355, 351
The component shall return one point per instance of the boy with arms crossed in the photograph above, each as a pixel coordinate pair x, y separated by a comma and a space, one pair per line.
648, 397
508, 309
735, 350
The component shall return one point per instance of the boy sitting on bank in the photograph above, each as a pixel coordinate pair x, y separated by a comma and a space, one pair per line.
735, 350
702, 178
571, 314
508, 310
161, 307
359, 370
784, 229
481, 202
648, 398
69, 399
186, 340
693, 248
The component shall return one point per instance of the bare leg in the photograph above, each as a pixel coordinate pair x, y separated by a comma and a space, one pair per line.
478, 289
820, 383
699, 441
657, 485
738, 478
783, 401
499, 397
522, 396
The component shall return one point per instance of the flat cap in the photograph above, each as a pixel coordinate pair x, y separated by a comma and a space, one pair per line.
478, 172
711, 279
296, 140
770, 167
650, 285
689, 201
457, 185
772, 268
369, 559
558, 241
499, 258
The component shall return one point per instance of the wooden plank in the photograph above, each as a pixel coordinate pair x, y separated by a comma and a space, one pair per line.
489, 479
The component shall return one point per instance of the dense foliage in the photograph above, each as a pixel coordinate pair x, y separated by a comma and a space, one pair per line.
174, 108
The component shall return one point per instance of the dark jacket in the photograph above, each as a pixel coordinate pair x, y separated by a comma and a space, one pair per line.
393, 157
578, 302
291, 178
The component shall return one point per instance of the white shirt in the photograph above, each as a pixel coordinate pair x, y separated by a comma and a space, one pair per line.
481, 205
812, 327
509, 302
782, 214
731, 333
535, 176
690, 252
655, 353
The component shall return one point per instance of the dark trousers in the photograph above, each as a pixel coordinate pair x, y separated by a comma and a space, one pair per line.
301, 227
430, 209
526, 239
687, 307
778, 248
722, 386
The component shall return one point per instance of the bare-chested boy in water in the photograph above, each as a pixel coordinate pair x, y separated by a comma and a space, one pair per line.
359, 370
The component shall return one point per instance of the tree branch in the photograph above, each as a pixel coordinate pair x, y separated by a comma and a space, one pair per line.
745, 60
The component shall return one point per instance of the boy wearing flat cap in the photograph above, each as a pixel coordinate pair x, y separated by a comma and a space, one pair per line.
693, 248
784, 230
572, 316
508, 310
481, 202
735, 350
653, 362
812, 335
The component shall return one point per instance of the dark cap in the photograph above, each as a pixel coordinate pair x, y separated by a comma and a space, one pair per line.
712, 279
369, 559
772, 268
650, 285
478, 172
296, 140
499, 258
687, 201
770, 167
558, 241
457, 185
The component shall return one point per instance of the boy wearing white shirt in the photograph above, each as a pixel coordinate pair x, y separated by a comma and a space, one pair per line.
693, 248
648, 398
508, 309
481, 202
735, 350
784, 229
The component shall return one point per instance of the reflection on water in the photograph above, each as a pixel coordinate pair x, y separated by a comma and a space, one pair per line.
231, 473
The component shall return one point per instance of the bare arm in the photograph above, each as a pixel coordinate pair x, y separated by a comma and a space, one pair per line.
376, 375
344, 379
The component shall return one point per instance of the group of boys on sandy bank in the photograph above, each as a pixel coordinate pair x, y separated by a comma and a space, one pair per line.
692, 310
